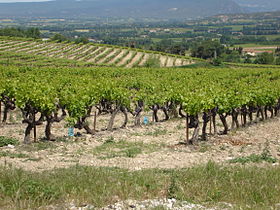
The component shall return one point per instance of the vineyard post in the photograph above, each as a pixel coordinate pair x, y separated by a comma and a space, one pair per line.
187, 129
211, 124
94, 122
34, 126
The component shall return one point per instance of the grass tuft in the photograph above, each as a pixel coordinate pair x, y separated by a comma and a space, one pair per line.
113, 149
12, 154
5, 141
265, 156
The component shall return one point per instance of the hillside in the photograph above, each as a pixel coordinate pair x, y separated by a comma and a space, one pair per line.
120, 8
259, 5
93, 54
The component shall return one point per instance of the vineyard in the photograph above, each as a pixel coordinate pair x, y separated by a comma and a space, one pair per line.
66, 123
77, 96
170, 114
96, 54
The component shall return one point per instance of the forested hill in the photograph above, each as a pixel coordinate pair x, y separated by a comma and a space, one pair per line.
120, 8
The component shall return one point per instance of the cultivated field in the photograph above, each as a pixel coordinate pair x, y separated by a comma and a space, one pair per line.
93, 53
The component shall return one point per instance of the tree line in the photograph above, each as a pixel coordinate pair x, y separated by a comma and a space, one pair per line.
21, 32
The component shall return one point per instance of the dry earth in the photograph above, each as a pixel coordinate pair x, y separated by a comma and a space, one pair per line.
156, 145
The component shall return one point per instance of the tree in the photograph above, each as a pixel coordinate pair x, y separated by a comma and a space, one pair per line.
277, 51
247, 60
83, 40
231, 56
18, 32
225, 39
264, 58
207, 49
59, 38
33, 32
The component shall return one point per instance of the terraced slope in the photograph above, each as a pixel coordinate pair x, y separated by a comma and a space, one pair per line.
93, 53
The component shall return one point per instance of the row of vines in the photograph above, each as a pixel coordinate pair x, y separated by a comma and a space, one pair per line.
91, 53
200, 96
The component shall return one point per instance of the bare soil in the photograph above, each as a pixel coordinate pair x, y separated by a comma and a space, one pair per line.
107, 56
160, 145
136, 58
117, 57
126, 58
144, 60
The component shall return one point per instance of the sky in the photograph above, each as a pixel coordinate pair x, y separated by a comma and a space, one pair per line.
12, 1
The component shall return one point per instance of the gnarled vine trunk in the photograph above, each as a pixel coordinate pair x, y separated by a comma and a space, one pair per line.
124, 111
194, 123
50, 120
112, 119
224, 122
29, 117
82, 123
206, 118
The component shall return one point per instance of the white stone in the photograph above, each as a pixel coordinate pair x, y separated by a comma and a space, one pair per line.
11, 146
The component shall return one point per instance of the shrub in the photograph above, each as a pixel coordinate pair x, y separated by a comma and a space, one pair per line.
264, 58
152, 62
277, 61
216, 62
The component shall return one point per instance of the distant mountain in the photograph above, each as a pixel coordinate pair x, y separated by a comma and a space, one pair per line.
259, 5
169, 9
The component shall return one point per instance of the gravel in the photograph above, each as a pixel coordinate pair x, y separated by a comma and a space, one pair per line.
151, 204
155, 204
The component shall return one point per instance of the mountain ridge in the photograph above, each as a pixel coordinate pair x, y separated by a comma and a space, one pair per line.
259, 5
175, 9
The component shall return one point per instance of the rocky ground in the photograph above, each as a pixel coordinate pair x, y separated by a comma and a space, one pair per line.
156, 145
155, 204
